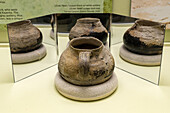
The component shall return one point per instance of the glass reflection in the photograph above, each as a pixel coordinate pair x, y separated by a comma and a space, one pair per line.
32, 48
145, 65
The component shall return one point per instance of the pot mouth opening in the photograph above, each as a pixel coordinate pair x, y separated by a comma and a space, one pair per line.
147, 23
86, 43
20, 23
88, 20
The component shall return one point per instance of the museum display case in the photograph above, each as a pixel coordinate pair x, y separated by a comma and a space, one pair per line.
87, 51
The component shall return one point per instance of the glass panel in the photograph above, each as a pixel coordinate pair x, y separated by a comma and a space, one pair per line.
32, 48
5, 64
132, 61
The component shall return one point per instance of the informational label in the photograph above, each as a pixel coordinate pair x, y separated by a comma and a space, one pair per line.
10, 14
79, 6
75, 8
16, 10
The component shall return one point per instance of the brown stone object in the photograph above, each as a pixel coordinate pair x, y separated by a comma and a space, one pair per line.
89, 27
24, 36
86, 62
145, 37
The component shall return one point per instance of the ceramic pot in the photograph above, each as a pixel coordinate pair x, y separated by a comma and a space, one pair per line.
24, 36
89, 27
86, 62
145, 37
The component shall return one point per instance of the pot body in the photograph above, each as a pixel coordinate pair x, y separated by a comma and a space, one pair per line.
86, 62
24, 36
145, 37
89, 27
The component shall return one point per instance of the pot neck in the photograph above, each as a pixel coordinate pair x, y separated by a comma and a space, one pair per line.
148, 24
20, 24
88, 22
86, 44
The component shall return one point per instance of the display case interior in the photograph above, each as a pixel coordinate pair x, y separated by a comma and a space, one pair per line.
46, 27
32, 48
120, 24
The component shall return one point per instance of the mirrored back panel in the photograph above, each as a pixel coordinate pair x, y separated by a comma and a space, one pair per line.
32, 47
137, 46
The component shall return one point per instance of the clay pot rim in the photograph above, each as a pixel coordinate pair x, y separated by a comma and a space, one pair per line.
86, 38
148, 23
20, 23
88, 20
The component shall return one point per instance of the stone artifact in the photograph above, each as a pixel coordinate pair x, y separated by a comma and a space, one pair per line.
86, 61
145, 37
89, 27
24, 36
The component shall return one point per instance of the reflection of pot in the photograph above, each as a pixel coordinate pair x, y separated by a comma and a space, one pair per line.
89, 27
24, 36
86, 62
145, 37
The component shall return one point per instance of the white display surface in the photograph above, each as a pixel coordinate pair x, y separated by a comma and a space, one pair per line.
37, 94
